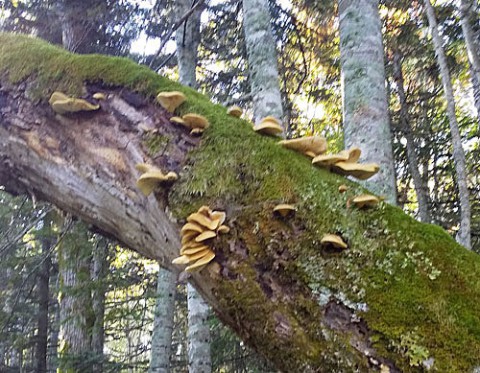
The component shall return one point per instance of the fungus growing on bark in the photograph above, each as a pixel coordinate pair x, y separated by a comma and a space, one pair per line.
235, 111
152, 178
334, 240
195, 121
62, 104
171, 100
99, 96
342, 188
269, 126
360, 171
365, 201
200, 227
284, 210
310, 146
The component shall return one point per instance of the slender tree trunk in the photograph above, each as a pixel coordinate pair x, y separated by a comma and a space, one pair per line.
421, 188
43, 301
466, 16
163, 322
365, 108
75, 302
54, 330
75, 28
187, 40
262, 60
463, 236
99, 271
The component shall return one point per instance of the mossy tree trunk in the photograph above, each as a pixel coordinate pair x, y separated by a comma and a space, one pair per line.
464, 234
365, 109
402, 297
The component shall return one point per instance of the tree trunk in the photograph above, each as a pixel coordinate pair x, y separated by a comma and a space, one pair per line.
463, 236
75, 27
75, 302
54, 330
421, 188
403, 294
43, 300
187, 41
365, 109
472, 49
99, 272
262, 60
163, 321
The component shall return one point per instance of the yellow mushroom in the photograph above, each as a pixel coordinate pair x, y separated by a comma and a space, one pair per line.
171, 100
365, 201
99, 96
219, 217
192, 250
181, 260
153, 178
327, 160
334, 240
57, 96
360, 171
195, 121
269, 126
311, 146
235, 111
284, 210
201, 262
192, 227
179, 120
145, 167
342, 188
352, 154
72, 105
196, 131
205, 236
223, 229
201, 219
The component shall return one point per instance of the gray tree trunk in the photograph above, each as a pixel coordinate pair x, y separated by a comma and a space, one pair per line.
420, 186
52, 355
75, 28
463, 236
99, 271
365, 108
163, 322
187, 42
262, 60
466, 15
74, 271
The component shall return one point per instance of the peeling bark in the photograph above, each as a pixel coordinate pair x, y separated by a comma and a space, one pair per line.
306, 308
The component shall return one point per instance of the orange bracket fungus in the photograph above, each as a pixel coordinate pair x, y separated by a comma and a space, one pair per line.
311, 146
62, 104
269, 126
284, 210
334, 241
201, 226
171, 100
235, 111
152, 177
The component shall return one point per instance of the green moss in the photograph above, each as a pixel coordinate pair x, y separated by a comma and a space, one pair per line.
155, 143
413, 285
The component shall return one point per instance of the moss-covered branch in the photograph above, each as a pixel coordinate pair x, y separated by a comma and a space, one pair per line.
404, 295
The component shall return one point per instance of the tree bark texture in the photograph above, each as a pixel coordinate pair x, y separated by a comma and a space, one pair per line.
420, 186
466, 19
163, 321
403, 295
365, 109
464, 234
262, 60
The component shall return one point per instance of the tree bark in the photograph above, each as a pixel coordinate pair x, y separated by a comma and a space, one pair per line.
472, 49
420, 186
365, 109
163, 321
262, 60
463, 236
403, 295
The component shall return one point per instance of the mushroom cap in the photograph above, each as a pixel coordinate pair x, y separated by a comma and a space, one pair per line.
218, 216
205, 236
269, 126
207, 258
342, 188
235, 111
187, 250
310, 154
188, 238
204, 221
72, 105
181, 260
365, 200
171, 100
352, 154
313, 144
150, 179
192, 227
334, 240
205, 210
326, 160
195, 121
57, 96
223, 229
360, 171
284, 210
196, 131
199, 254
146, 167
99, 96
179, 120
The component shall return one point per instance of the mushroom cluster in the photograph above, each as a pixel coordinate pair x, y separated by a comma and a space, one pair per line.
269, 126
171, 100
200, 228
195, 122
152, 177
345, 163
311, 146
62, 104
